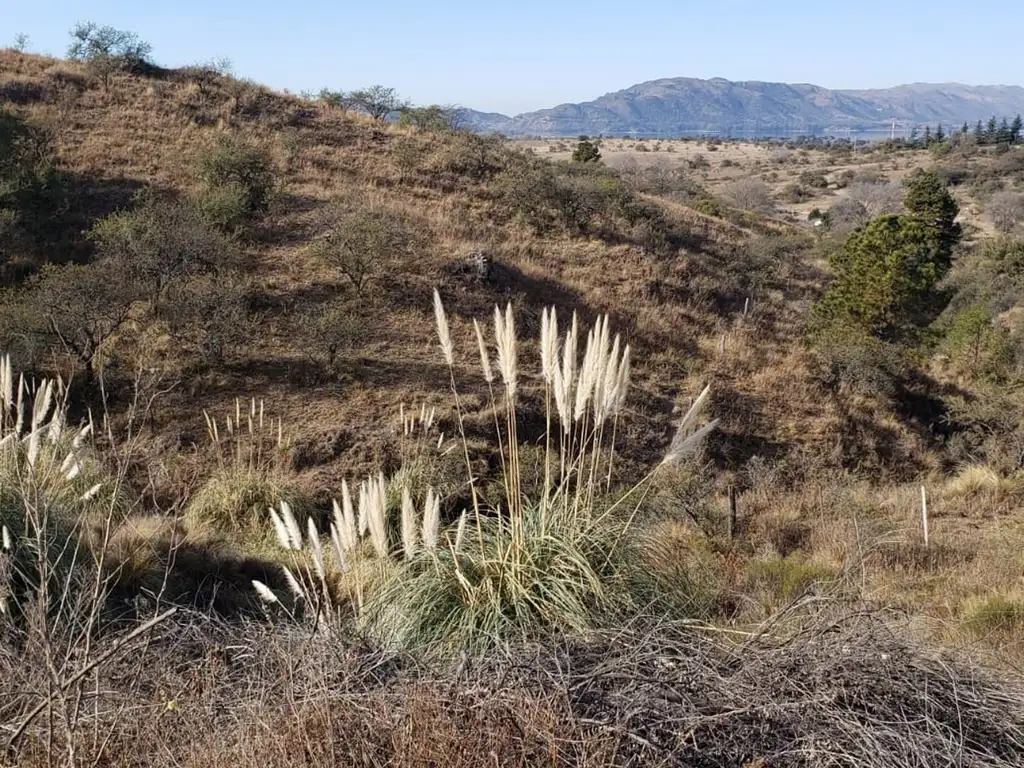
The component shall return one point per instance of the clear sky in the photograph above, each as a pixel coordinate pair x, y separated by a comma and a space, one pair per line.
521, 55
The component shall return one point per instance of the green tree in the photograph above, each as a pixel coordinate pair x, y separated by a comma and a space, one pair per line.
107, 50
1015, 129
929, 201
992, 131
940, 135
965, 130
1003, 135
885, 276
979, 133
586, 152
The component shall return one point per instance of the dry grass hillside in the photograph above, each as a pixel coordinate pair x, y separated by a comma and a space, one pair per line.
303, 352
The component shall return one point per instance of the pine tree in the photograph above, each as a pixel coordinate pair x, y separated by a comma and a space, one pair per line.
979, 133
928, 201
926, 140
992, 131
1003, 135
1015, 129
940, 135
965, 130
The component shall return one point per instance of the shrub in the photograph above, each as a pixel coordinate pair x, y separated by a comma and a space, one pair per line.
995, 614
31, 192
248, 452
813, 179
53, 491
236, 173
876, 198
1006, 211
586, 152
80, 310
856, 364
975, 346
749, 195
433, 118
795, 193
359, 241
158, 243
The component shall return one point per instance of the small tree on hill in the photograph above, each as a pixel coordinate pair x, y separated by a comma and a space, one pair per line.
434, 118
1015, 129
107, 50
377, 101
586, 152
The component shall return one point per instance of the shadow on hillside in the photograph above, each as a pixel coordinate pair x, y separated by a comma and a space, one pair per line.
471, 292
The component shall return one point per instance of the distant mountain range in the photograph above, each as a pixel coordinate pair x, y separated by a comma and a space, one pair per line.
682, 105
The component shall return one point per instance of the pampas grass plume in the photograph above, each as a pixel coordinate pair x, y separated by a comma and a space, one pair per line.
443, 333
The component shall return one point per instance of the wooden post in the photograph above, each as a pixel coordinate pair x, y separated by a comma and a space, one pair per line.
732, 513
746, 306
924, 516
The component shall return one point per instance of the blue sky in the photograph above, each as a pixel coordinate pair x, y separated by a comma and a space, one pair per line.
527, 54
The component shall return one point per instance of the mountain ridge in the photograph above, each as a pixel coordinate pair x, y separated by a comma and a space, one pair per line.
679, 105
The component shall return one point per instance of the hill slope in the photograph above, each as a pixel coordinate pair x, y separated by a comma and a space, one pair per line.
673, 106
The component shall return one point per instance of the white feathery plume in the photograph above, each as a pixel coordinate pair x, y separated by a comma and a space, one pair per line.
377, 512
33, 446
293, 583
91, 493
685, 441
431, 520
83, 433
363, 522
460, 530
345, 519
587, 376
291, 525
340, 553
266, 593
318, 551
6, 382
19, 408
505, 335
485, 358
549, 344
622, 385
280, 530
409, 531
7, 543
443, 333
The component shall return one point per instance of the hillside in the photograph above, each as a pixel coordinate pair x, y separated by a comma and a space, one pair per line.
676, 106
266, 497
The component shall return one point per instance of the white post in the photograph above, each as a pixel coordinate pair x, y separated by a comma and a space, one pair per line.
924, 516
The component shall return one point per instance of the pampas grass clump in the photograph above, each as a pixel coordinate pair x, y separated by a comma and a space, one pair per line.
250, 477
520, 564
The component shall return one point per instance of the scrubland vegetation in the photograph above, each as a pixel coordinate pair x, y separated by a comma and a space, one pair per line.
328, 439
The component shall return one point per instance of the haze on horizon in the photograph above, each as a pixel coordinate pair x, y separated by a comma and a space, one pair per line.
533, 55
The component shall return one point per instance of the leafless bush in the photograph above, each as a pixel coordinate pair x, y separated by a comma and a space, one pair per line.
1006, 211
877, 198
750, 195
